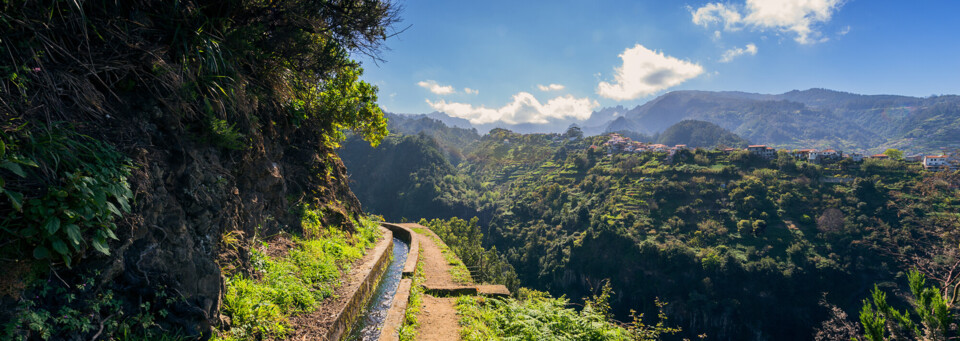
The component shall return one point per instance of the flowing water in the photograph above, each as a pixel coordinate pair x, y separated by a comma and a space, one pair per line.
369, 324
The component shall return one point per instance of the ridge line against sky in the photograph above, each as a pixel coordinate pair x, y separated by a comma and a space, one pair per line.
501, 61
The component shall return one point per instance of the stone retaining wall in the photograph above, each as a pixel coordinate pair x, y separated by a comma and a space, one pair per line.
371, 273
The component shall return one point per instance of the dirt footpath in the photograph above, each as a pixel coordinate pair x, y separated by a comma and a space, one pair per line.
438, 318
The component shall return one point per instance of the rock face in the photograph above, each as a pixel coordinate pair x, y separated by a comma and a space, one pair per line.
185, 204
188, 196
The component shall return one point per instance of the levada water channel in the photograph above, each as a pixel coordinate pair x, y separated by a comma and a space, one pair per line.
375, 313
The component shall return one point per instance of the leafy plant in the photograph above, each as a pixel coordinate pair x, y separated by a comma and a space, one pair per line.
225, 135
86, 189
12, 162
56, 310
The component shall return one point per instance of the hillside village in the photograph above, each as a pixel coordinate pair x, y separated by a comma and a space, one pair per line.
621, 144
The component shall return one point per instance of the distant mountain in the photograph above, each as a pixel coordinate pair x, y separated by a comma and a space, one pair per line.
700, 134
450, 120
623, 123
815, 118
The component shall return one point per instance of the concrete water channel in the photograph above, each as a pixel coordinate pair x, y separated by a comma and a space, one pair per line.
374, 315
372, 307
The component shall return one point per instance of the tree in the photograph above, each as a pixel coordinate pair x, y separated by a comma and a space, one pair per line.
786, 162
573, 132
882, 322
894, 154
238, 64
830, 221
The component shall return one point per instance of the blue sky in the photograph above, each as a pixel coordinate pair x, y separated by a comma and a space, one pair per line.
487, 60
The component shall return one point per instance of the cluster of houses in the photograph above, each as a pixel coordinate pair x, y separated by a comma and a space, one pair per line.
950, 161
621, 144
929, 162
811, 155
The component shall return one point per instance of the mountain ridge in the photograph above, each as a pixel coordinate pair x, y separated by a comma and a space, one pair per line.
812, 118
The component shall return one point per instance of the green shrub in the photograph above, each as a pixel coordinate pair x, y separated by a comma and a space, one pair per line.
537, 316
86, 189
58, 311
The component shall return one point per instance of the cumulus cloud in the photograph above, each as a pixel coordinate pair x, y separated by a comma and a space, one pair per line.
730, 54
644, 72
796, 16
470, 91
717, 13
551, 87
524, 108
436, 88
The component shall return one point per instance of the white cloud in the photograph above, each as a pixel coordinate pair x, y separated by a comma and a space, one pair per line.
551, 87
436, 88
797, 16
735, 52
524, 108
470, 91
844, 31
716, 13
644, 72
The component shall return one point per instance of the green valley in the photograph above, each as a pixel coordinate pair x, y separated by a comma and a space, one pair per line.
735, 243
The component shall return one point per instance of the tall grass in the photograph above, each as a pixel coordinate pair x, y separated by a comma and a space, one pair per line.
261, 305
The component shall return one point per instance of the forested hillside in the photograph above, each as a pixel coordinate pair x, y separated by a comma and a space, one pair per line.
740, 247
700, 134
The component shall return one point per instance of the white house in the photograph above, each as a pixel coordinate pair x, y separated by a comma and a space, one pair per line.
830, 154
935, 162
